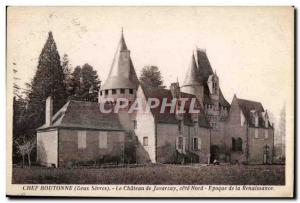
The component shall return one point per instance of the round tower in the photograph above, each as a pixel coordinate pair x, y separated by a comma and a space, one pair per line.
192, 84
122, 81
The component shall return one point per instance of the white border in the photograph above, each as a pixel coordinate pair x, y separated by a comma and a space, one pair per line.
4, 3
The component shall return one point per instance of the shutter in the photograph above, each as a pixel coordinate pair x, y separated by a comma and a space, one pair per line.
266, 134
81, 135
256, 133
102, 140
177, 143
199, 143
183, 145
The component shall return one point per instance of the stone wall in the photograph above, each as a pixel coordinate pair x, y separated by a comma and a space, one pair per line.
145, 128
166, 143
257, 146
70, 153
47, 148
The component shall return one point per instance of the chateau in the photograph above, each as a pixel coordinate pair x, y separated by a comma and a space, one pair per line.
80, 133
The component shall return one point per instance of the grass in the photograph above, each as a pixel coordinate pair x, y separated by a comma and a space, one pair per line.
156, 174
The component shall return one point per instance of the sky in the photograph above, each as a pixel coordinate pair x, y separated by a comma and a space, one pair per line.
251, 48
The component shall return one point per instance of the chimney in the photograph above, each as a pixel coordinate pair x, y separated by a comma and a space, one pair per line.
49, 111
175, 90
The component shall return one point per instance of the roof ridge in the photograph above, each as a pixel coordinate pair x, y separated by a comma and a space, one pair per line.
64, 112
249, 100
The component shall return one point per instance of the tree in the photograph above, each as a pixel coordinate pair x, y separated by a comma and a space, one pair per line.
25, 146
151, 77
282, 129
48, 80
84, 81
67, 70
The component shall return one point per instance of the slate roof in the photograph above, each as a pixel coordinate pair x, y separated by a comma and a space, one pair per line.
247, 106
122, 73
192, 75
82, 114
205, 70
167, 116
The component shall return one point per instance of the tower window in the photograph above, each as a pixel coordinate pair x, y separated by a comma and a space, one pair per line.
114, 91
106, 92
122, 91
100, 93
145, 141
179, 143
130, 91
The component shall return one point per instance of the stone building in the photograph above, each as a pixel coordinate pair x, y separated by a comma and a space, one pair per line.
251, 136
235, 136
80, 133
83, 132
201, 81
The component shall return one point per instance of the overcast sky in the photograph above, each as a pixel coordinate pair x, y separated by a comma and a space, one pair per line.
250, 48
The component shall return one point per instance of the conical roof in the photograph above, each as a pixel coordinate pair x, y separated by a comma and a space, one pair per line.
122, 73
192, 75
204, 67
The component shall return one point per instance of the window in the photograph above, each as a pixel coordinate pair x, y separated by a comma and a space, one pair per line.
180, 143
237, 144
81, 136
100, 93
113, 91
102, 140
134, 124
196, 143
266, 123
256, 121
145, 141
106, 92
266, 134
130, 91
256, 133
122, 91
242, 118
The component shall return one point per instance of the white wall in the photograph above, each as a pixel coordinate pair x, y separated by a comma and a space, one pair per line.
47, 146
146, 128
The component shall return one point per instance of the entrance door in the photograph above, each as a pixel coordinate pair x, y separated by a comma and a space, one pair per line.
215, 152
266, 154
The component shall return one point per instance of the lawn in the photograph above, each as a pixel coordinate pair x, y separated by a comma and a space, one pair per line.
156, 174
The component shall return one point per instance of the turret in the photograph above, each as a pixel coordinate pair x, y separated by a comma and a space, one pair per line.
122, 81
192, 83
213, 85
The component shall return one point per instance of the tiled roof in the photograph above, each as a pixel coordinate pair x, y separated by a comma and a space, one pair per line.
205, 70
167, 116
247, 106
82, 114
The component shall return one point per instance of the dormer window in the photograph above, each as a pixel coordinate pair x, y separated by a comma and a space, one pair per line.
130, 91
266, 123
106, 92
122, 91
113, 91
256, 121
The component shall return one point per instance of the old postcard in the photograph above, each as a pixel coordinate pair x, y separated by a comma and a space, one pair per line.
150, 101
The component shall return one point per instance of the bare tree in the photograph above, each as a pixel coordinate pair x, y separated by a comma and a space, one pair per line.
24, 147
